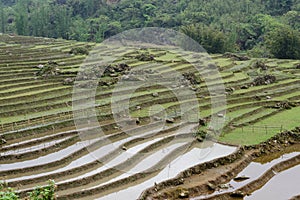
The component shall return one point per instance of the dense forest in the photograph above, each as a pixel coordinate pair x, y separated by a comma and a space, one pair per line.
262, 28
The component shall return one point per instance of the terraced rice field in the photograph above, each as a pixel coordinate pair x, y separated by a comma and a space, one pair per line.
41, 140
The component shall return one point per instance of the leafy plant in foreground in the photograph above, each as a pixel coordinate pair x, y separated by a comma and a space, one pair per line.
39, 193
44, 193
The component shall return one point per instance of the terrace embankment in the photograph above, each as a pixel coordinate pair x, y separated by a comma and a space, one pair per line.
202, 180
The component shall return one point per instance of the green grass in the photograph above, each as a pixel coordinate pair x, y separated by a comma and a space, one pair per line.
254, 134
34, 115
36, 92
251, 89
255, 116
69, 63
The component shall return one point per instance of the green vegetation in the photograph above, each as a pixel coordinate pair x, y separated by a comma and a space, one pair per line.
37, 116
263, 28
39, 193
264, 129
284, 43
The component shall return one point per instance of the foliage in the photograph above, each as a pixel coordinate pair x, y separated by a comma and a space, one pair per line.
259, 51
7, 193
284, 43
212, 40
39, 193
48, 70
218, 25
44, 193
79, 50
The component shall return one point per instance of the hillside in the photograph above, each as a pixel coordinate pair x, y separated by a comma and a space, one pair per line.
41, 140
254, 26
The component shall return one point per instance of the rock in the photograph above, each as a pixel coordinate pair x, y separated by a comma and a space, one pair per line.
132, 78
224, 186
157, 118
230, 89
200, 135
40, 66
238, 194
145, 57
268, 97
260, 64
3, 141
179, 181
192, 78
114, 70
221, 115
150, 71
170, 120
244, 87
202, 122
211, 186
285, 105
258, 98
138, 121
68, 81
264, 80
155, 94
184, 194
193, 88
103, 83
116, 127
241, 178
113, 75
50, 69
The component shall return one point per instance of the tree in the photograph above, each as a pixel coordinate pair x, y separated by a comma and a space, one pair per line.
278, 7
214, 41
79, 30
2, 17
22, 18
284, 43
293, 19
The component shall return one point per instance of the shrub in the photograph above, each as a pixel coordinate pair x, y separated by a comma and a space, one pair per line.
284, 43
7, 193
39, 193
79, 50
44, 193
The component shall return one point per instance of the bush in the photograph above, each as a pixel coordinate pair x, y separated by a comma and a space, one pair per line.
284, 43
259, 51
48, 70
212, 40
39, 193
7, 193
44, 193
79, 51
